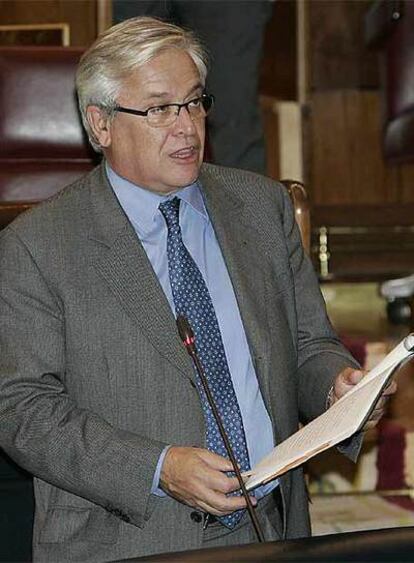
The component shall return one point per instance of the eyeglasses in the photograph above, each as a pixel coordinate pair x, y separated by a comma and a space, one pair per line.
167, 114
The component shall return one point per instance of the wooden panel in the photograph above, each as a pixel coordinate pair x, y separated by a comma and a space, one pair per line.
278, 71
345, 159
35, 34
338, 57
79, 14
346, 165
406, 178
353, 215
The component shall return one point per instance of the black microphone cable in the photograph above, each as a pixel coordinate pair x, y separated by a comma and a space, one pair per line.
187, 336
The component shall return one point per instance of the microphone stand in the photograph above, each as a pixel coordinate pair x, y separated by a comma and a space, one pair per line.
188, 339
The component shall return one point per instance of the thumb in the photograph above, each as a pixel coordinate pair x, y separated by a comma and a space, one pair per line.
350, 376
346, 380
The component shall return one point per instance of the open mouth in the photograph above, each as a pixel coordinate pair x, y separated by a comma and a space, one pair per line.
185, 153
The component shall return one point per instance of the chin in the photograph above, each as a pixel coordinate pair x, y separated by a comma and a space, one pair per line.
182, 180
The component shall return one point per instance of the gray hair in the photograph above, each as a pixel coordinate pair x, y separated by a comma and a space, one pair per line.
122, 49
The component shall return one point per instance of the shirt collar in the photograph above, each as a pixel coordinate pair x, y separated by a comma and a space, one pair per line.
141, 205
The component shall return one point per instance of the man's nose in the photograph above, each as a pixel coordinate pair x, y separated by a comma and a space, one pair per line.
184, 122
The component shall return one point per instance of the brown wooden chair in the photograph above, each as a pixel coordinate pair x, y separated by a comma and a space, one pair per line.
42, 143
300, 201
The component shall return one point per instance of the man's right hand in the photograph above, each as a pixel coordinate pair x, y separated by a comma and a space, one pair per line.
198, 478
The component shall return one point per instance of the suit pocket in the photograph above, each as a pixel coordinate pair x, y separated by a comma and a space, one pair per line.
64, 524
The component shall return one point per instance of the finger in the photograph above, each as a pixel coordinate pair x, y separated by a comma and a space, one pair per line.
220, 482
381, 403
385, 396
213, 475
216, 461
345, 380
390, 389
220, 505
189, 478
352, 376
380, 406
232, 484
370, 425
376, 415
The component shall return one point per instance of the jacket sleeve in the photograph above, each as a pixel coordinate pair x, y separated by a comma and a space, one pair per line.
41, 427
321, 356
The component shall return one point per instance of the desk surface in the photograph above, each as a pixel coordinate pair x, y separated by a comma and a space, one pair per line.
380, 545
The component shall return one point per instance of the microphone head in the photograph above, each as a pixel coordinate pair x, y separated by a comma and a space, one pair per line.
185, 331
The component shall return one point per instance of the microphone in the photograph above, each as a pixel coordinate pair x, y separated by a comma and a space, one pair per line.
187, 336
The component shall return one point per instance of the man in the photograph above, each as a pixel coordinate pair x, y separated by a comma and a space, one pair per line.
99, 399
233, 32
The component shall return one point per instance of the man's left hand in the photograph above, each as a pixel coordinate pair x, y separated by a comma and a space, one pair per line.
349, 377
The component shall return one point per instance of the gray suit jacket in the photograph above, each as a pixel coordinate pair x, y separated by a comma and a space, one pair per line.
94, 381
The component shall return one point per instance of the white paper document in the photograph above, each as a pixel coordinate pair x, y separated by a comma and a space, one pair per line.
341, 421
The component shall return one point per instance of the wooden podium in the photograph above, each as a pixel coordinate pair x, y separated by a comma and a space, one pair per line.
396, 544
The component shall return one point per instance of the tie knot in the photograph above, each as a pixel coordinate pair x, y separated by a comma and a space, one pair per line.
171, 209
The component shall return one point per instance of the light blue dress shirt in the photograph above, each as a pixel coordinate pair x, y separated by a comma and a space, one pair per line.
141, 207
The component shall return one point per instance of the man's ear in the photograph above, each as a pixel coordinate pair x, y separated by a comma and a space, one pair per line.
100, 124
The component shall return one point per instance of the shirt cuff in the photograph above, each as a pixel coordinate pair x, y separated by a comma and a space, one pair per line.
155, 489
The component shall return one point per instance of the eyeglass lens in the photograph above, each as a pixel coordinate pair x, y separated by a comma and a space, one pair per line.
164, 115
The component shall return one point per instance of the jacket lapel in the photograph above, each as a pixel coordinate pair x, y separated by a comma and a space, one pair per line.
239, 242
122, 262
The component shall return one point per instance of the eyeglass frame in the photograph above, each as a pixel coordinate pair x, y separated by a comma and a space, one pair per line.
185, 105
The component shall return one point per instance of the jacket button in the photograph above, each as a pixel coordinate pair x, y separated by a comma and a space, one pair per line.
196, 517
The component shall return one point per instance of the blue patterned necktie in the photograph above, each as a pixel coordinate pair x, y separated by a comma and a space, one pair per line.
192, 300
